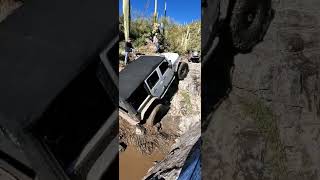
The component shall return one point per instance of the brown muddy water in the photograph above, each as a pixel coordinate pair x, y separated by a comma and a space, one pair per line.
134, 165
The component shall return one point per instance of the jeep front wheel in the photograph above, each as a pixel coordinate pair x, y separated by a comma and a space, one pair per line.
156, 115
183, 70
249, 21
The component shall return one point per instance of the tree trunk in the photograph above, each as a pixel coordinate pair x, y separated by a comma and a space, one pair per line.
165, 17
126, 18
187, 39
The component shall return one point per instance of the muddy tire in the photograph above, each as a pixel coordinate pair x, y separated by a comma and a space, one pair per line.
183, 70
156, 115
249, 21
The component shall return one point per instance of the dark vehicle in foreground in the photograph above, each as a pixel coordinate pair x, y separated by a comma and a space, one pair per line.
59, 97
144, 83
194, 56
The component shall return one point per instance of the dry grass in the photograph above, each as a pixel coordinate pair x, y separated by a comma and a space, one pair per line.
267, 126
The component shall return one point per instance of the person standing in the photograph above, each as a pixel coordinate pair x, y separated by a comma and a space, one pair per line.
128, 49
156, 42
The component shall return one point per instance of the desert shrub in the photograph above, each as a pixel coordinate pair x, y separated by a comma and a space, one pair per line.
174, 38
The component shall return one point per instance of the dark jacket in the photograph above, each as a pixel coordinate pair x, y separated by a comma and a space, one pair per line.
128, 47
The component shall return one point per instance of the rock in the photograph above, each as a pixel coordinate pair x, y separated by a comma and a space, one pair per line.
122, 147
140, 130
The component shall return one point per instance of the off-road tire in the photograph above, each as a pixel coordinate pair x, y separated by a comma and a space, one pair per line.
248, 23
183, 70
155, 115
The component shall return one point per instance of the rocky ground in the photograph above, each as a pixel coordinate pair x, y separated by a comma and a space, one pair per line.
268, 126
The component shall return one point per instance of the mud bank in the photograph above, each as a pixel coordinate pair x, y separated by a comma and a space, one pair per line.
141, 163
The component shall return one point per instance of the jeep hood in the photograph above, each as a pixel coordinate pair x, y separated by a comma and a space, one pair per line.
172, 57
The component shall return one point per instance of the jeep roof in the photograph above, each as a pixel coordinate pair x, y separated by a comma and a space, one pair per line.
135, 73
44, 45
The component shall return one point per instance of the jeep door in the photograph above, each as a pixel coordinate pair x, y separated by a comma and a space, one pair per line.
155, 83
167, 74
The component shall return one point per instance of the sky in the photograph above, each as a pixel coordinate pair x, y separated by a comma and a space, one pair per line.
181, 11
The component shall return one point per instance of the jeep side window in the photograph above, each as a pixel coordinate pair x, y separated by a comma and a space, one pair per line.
163, 67
153, 79
137, 98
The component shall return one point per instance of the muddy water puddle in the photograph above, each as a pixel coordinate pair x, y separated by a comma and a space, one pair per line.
134, 165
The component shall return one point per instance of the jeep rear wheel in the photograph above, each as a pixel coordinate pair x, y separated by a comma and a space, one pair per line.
156, 115
249, 22
183, 70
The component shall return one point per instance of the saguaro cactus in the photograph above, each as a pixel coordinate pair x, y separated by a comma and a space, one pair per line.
126, 18
165, 17
165, 8
187, 39
155, 14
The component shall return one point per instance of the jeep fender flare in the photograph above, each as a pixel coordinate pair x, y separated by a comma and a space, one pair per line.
148, 107
183, 70
177, 67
